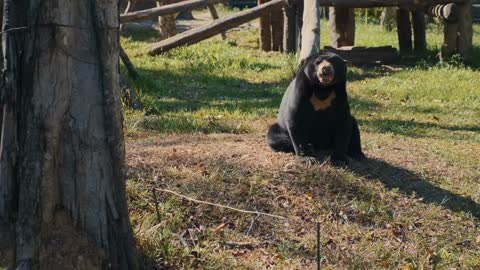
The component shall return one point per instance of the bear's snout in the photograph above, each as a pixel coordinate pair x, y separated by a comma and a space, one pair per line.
327, 70
325, 73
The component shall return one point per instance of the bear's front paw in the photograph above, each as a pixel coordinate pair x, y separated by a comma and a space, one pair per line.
339, 160
308, 160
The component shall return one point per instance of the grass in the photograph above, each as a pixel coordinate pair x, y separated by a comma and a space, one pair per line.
415, 204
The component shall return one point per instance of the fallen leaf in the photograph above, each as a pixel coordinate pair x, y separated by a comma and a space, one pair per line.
408, 266
477, 240
309, 195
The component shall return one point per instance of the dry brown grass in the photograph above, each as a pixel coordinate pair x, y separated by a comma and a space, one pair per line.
386, 212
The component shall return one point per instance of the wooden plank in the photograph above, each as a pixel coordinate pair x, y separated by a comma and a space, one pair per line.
128, 64
366, 55
203, 32
193, 4
163, 10
383, 3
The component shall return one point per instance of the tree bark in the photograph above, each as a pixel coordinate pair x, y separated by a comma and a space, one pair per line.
61, 88
342, 27
310, 29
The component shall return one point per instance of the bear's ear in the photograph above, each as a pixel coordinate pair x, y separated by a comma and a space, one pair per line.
307, 72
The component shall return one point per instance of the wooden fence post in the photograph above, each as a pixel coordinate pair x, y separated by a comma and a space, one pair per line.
450, 32
289, 27
465, 30
265, 30
342, 27
419, 34
276, 16
167, 22
404, 30
214, 14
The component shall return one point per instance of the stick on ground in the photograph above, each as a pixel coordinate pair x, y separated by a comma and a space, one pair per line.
218, 205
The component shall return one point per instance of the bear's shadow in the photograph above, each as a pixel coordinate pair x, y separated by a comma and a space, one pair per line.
413, 184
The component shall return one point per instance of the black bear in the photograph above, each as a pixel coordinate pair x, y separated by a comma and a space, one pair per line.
315, 115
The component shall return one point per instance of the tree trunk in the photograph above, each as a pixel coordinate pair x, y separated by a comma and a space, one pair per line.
63, 135
310, 29
342, 27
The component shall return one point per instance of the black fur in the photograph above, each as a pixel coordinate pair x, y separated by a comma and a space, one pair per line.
303, 130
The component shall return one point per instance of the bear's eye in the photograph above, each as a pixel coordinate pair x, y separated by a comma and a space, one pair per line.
318, 61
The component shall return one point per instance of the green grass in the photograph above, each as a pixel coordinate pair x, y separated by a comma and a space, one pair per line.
415, 202
210, 86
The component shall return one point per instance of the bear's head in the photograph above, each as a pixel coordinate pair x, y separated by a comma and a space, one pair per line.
325, 69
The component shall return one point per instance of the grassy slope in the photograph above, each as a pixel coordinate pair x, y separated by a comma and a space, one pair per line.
416, 201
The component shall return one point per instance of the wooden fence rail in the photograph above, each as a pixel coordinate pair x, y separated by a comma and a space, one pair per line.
203, 32
164, 10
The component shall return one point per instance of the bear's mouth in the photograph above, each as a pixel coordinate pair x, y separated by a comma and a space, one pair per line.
325, 73
326, 79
